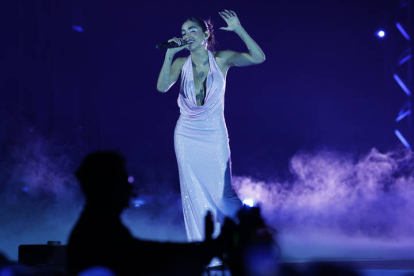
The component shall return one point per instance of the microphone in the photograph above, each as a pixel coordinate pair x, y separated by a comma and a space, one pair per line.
171, 44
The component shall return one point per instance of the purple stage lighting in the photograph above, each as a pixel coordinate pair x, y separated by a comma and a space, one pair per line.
403, 115
381, 33
402, 139
404, 59
96, 271
402, 85
402, 31
131, 179
77, 28
7, 271
137, 202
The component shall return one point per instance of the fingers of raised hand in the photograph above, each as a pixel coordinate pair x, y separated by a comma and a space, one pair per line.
230, 13
224, 15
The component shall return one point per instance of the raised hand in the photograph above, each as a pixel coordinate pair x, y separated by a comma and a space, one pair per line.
231, 19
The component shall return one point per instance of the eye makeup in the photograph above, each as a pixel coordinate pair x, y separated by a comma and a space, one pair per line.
191, 29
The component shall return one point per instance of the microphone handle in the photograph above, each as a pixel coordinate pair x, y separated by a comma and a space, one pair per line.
171, 44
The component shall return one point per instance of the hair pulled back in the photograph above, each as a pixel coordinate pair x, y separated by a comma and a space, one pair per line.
205, 25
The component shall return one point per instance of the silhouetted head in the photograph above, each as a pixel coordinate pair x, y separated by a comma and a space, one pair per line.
104, 179
199, 31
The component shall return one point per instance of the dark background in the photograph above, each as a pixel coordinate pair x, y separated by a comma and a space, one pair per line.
326, 84
326, 81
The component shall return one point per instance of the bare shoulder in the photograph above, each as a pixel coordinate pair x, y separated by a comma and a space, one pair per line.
232, 58
222, 58
223, 54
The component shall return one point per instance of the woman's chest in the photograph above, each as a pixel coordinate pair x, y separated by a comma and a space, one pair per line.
201, 74
200, 77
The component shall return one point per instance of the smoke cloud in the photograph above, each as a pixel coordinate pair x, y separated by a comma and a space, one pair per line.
337, 204
340, 205
40, 198
355, 196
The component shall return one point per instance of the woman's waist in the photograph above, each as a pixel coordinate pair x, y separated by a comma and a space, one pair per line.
202, 115
214, 124
216, 118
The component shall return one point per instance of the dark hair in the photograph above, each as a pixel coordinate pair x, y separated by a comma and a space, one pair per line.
205, 26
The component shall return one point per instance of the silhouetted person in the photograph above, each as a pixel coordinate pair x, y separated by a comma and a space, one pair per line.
255, 252
100, 239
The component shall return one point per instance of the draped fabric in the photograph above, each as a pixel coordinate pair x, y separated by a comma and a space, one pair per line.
203, 154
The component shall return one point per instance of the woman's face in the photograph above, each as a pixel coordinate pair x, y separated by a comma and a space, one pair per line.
193, 34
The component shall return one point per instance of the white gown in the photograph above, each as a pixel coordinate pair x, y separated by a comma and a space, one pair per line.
203, 154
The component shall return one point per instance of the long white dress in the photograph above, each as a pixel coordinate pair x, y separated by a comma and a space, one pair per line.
203, 154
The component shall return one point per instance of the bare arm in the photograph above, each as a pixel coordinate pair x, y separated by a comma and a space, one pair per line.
170, 70
255, 55
169, 74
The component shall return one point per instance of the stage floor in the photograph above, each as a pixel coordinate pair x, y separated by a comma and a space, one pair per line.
364, 268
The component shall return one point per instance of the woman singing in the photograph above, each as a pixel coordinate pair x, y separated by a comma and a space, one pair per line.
200, 139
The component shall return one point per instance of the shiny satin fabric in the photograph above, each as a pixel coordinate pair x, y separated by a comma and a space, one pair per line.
203, 154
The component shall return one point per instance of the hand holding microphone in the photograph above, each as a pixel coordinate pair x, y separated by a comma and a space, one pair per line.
175, 43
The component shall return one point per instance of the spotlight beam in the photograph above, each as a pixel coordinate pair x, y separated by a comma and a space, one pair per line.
402, 85
404, 59
399, 118
402, 31
402, 139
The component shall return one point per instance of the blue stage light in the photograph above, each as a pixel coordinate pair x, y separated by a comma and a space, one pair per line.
402, 139
131, 179
7, 271
381, 33
96, 271
403, 115
77, 28
137, 202
404, 59
402, 85
402, 31
249, 202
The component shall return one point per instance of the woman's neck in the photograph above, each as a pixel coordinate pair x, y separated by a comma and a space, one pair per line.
199, 55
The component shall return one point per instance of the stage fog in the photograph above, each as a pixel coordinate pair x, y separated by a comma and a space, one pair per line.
312, 129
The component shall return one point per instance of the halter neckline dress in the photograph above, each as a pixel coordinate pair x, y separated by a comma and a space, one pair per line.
203, 154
